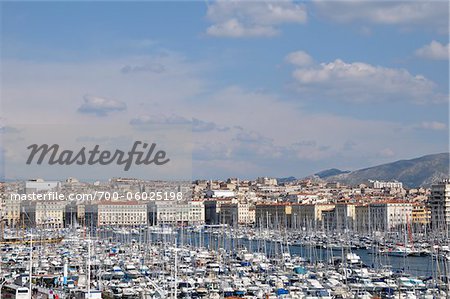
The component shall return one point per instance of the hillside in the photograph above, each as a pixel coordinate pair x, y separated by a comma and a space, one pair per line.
422, 171
330, 172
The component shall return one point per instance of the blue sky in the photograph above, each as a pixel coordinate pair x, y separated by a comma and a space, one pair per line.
270, 88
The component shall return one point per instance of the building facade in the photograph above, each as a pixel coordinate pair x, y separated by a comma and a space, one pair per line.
421, 214
176, 213
386, 216
50, 214
236, 214
439, 204
126, 213
389, 184
311, 216
362, 219
273, 215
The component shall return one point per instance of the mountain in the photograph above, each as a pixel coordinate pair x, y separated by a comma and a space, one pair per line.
286, 180
330, 172
417, 172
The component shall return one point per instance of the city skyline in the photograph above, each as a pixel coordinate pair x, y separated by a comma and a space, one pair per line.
276, 89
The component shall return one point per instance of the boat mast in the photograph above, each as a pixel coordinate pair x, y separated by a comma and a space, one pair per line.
89, 266
31, 259
175, 270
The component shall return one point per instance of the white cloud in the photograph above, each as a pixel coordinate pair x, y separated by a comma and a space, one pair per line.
433, 125
361, 82
66, 82
232, 18
299, 58
158, 119
406, 13
234, 28
199, 125
434, 50
270, 144
173, 119
252, 137
275, 124
149, 67
100, 106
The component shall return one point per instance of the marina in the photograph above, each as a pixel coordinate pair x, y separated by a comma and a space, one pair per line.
225, 149
219, 262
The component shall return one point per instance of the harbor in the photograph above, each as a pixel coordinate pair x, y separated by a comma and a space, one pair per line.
219, 262
225, 149
216, 240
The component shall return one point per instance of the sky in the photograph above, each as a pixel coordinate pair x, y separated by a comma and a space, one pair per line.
285, 88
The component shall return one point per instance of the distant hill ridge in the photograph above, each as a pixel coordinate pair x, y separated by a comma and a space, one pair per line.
286, 180
330, 172
418, 172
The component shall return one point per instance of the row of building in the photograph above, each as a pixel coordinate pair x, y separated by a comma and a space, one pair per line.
376, 216
58, 214
358, 217
228, 207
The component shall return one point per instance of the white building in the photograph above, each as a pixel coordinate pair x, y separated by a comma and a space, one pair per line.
50, 214
169, 212
390, 184
10, 211
267, 181
304, 198
126, 213
39, 185
389, 215
219, 193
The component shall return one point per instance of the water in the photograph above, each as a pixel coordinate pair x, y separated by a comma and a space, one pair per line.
423, 266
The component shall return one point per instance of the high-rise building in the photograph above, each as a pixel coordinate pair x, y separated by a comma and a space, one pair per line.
439, 203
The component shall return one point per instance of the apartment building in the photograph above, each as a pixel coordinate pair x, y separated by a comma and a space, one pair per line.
362, 218
49, 214
340, 218
236, 213
389, 215
273, 215
176, 213
11, 211
39, 186
439, 203
388, 184
421, 214
39, 213
310, 216
212, 209
122, 213
266, 181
